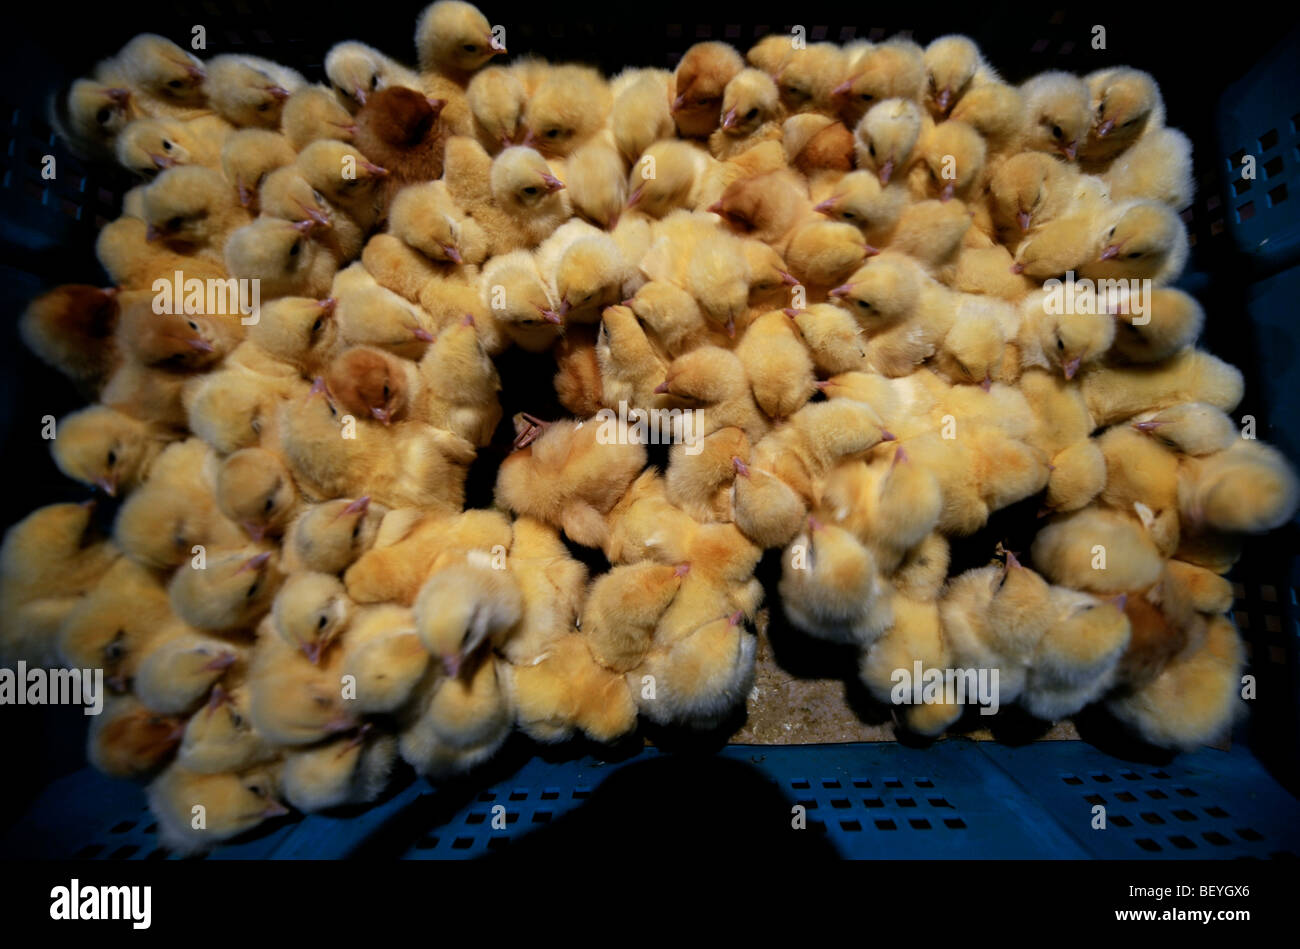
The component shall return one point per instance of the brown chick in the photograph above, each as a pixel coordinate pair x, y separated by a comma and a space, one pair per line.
372, 383
131, 741
398, 128
699, 82
71, 328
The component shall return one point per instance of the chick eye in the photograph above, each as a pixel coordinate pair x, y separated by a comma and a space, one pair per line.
1056, 132
256, 789
530, 190
552, 133
174, 223
866, 97
115, 650
385, 391
1060, 344
192, 325
320, 624
871, 150
263, 107
103, 114
167, 146
1110, 233
236, 720
1101, 109
752, 114
356, 531
374, 83
112, 457
297, 246
333, 411
315, 327
866, 305
270, 503
252, 590
470, 48
1134, 255
1128, 123
175, 84
848, 215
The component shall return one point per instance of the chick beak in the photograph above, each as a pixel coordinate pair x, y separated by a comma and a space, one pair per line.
944, 99
162, 162
359, 506
255, 563
317, 387
869, 251
565, 307
947, 192
340, 725
312, 651
359, 94
221, 663
635, 196
422, 334
843, 290
152, 233
202, 345
304, 225
827, 207
437, 105
217, 698
681, 570
117, 683
553, 183
1105, 128
717, 207
814, 525
1022, 218
842, 90
497, 50
381, 413
1012, 562
789, 279
245, 197
729, 119
119, 96
887, 436
1111, 252
731, 328
791, 312
451, 664
255, 531
107, 485
279, 93
661, 388
1071, 367
1017, 268
195, 72
467, 319
1071, 150
886, 172
275, 809
987, 384
327, 305
742, 469
1120, 601
900, 456
679, 103
452, 254
374, 170
551, 316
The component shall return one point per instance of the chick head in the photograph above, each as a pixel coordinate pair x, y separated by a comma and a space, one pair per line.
675, 168
1123, 101
243, 94
454, 37
950, 64
909, 503
972, 350
310, 611
280, 254
96, 112
567, 108
1193, 428
953, 154
286, 194
1022, 188
101, 447
887, 71
1147, 239
111, 627
400, 117
462, 607
881, 293
704, 376
698, 85
1249, 488
311, 113
1073, 340
1173, 322
183, 205
808, 79
424, 217
860, 199
823, 253
233, 804
129, 740
591, 275
368, 383
1089, 633
220, 737
522, 182
256, 491
176, 341
248, 156
496, 98
338, 171
297, 330
148, 146
768, 277
1058, 112
524, 300
164, 70
332, 535
355, 72
233, 589
749, 100
887, 135
716, 276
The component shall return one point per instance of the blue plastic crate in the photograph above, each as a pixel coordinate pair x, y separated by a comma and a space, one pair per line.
957, 799
1260, 116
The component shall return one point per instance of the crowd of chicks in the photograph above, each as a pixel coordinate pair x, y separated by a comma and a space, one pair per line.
835, 256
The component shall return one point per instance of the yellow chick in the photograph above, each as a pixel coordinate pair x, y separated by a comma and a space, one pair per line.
950, 163
91, 115
220, 736
293, 701
463, 607
310, 611
454, 39
1247, 488
699, 678
385, 657
596, 178
103, 448
751, 114
461, 384
232, 804
585, 271
894, 69
179, 668
886, 137
568, 689
496, 98
348, 770
190, 210
248, 156
166, 81
1058, 113
641, 114
515, 198
1076, 659
149, 146
356, 70
568, 107
1192, 428
256, 491
462, 721
1170, 322
916, 635
698, 84
516, 294
834, 339
282, 256
312, 113
347, 180
623, 608
830, 587
249, 91
1139, 240
1065, 341
231, 591
629, 364
329, 537
1116, 394
1097, 550
953, 66
1126, 105
1156, 168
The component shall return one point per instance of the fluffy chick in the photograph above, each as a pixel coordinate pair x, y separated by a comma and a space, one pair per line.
233, 804
249, 91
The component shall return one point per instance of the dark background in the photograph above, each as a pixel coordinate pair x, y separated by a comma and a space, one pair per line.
47, 229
